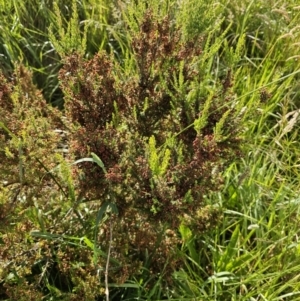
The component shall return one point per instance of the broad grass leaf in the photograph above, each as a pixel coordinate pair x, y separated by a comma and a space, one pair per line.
97, 160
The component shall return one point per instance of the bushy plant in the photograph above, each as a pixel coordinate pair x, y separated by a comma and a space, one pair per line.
28, 137
28, 143
163, 139
161, 133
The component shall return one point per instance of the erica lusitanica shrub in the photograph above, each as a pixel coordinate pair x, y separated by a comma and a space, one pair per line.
164, 140
163, 145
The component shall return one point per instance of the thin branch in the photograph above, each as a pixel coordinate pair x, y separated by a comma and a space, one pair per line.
107, 261
53, 177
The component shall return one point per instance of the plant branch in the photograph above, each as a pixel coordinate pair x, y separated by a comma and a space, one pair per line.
108, 258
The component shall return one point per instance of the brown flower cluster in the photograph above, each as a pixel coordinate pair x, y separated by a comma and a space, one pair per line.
90, 94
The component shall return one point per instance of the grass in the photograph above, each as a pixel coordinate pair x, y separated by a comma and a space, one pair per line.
25, 37
254, 254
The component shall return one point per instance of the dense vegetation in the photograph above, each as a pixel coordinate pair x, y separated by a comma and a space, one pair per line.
149, 150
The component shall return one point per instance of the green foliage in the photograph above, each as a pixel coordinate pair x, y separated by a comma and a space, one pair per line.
192, 25
72, 39
25, 37
158, 167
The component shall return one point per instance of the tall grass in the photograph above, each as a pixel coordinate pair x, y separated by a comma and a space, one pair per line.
24, 36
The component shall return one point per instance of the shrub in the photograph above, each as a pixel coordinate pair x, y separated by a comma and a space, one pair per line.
163, 141
162, 135
28, 143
